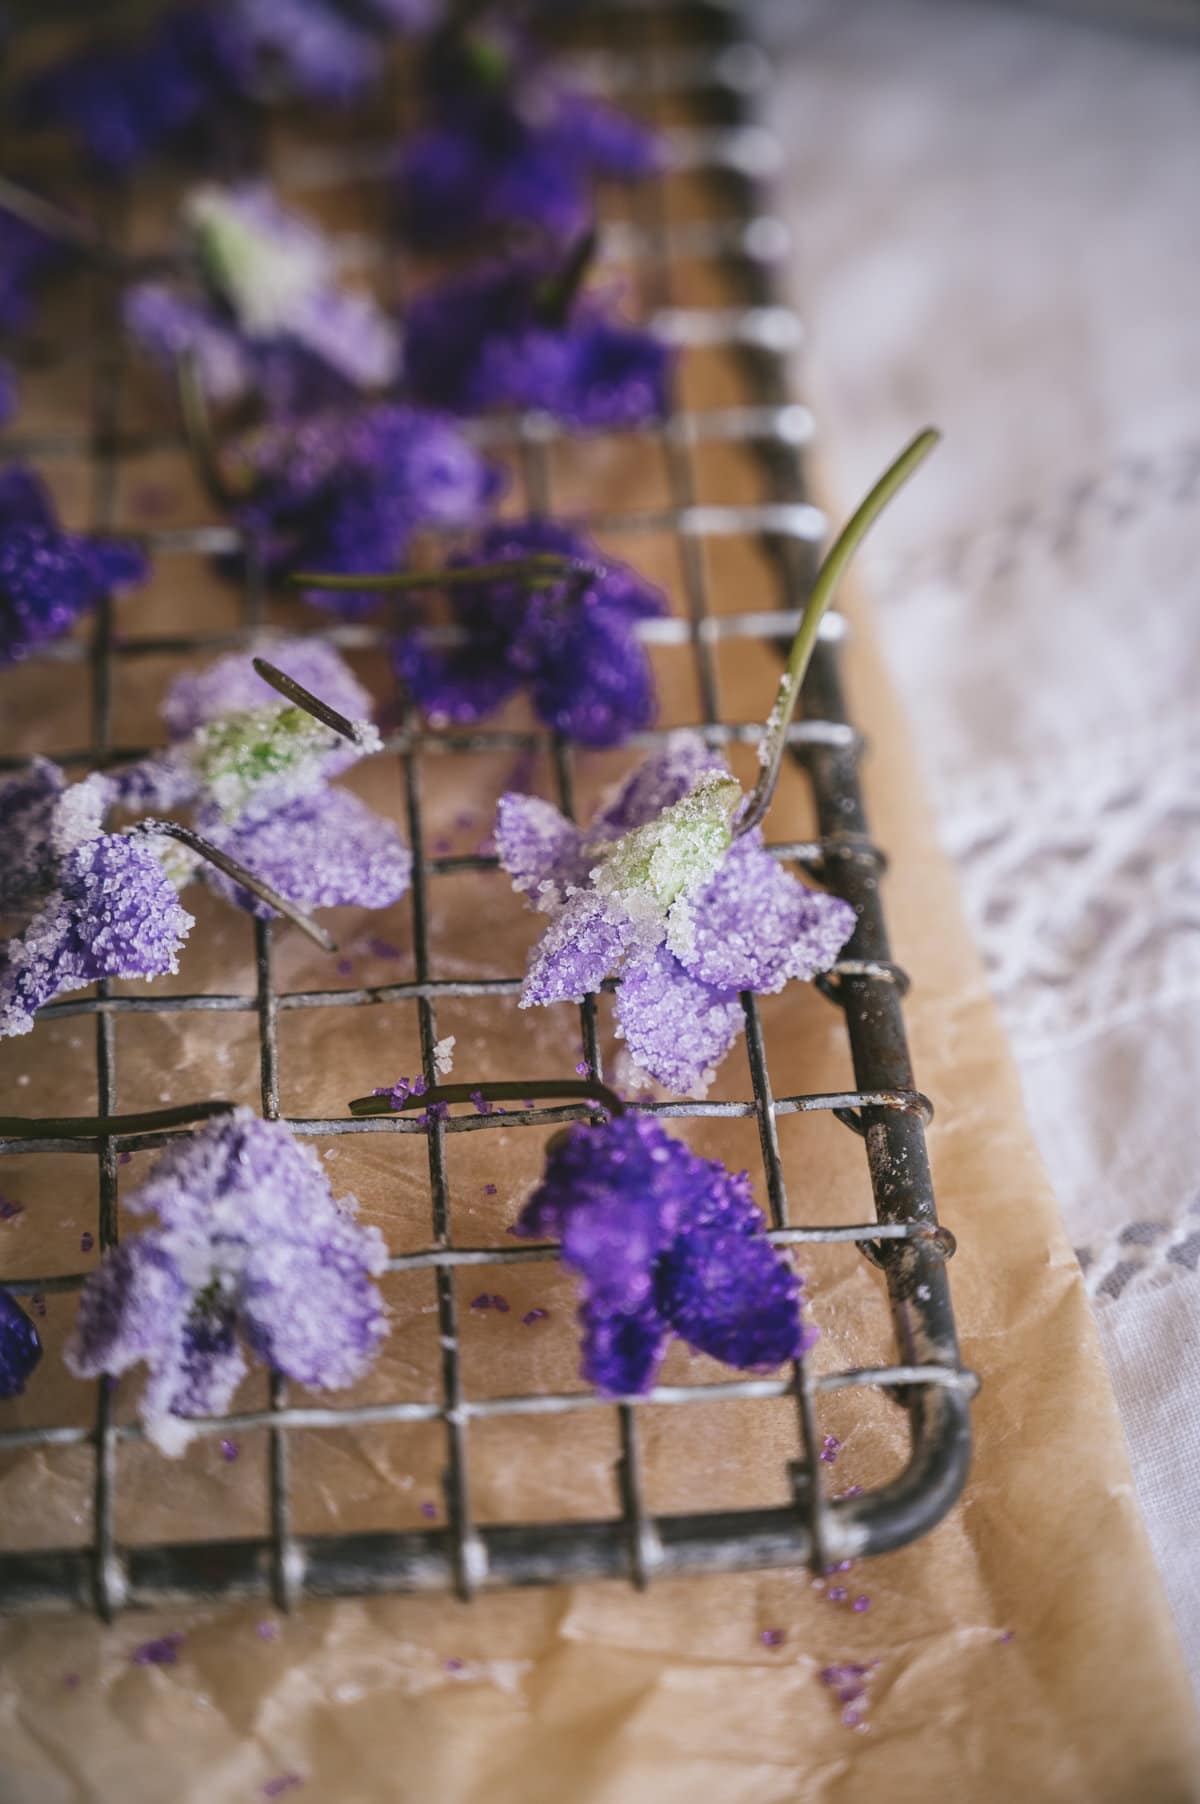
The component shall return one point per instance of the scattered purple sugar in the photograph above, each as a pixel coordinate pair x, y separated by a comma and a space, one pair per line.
9, 1210
86, 1242
534, 1315
345, 968
850, 1491
383, 948
464, 820
773, 1637
454, 1665
437, 1111
489, 1190
830, 1447
124, 1158
162, 1651
530, 1103
429, 1511
583, 1069
442, 846
1008, 1635
229, 1450
837, 1594
71, 1680
482, 1105
275, 1788
491, 1300
861, 1603
267, 1630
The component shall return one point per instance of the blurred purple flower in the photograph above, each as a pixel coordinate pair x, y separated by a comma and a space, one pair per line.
20, 1347
272, 316
27, 255
507, 144
122, 103
251, 1252
656, 889
574, 643
481, 341
49, 577
344, 491
665, 1243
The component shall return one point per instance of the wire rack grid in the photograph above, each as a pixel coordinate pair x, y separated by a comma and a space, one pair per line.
701, 53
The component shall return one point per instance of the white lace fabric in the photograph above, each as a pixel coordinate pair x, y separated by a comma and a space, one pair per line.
995, 228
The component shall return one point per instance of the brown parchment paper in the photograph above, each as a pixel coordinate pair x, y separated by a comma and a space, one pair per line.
1024, 1649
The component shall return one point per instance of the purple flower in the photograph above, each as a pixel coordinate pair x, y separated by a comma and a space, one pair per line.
8, 392
481, 340
112, 913
665, 1243
48, 577
272, 313
122, 104
659, 889
28, 863
251, 1252
20, 1347
317, 52
507, 144
574, 644
27, 254
344, 491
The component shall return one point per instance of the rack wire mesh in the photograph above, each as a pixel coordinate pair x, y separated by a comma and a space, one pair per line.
678, 56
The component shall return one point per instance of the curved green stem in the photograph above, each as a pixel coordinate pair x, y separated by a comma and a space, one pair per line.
539, 569
86, 1127
774, 740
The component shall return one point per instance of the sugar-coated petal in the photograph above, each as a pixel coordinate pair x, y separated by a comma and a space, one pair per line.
20, 1347
576, 953
731, 1295
619, 375
198, 1377
754, 926
542, 851
591, 679
312, 1311
320, 54
134, 1302
622, 1350
48, 577
326, 850
676, 1027
114, 914
456, 685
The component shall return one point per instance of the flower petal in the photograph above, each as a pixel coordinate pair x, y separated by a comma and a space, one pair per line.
576, 952
20, 1346
312, 1310
622, 1351
323, 851
676, 1027
661, 780
754, 926
541, 850
232, 683
731, 1295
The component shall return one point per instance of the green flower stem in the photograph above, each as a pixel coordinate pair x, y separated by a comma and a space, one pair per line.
265, 892
585, 1089
85, 1127
556, 296
198, 431
774, 741
541, 569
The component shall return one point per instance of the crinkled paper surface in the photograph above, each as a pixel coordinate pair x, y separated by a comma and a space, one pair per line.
1024, 1648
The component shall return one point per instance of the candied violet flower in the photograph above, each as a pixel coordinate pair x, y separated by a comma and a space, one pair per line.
125, 102
665, 1243
508, 144
572, 642
20, 1347
49, 577
658, 889
319, 53
483, 340
251, 1252
258, 776
344, 491
113, 913
273, 314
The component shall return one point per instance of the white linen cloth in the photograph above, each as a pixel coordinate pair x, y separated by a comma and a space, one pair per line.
996, 228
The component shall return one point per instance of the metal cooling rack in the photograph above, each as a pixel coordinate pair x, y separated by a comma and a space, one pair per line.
708, 58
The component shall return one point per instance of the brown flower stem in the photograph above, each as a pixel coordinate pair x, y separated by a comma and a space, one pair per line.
584, 1089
